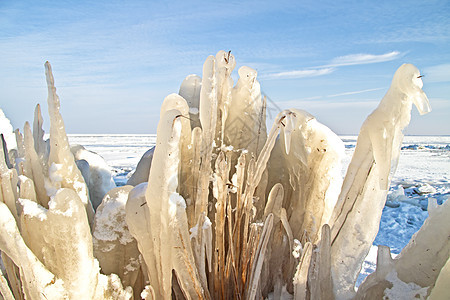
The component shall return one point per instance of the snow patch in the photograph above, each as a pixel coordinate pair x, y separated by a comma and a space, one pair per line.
110, 219
402, 290
8, 132
177, 199
32, 209
194, 232
207, 224
54, 172
52, 206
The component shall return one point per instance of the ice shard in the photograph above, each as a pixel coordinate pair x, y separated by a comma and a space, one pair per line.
225, 63
166, 221
208, 120
63, 172
38, 135
190, 90
36, 170
137, 217
176, 102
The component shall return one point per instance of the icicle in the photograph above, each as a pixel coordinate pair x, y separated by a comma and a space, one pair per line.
220, 188
259, 257
19, 141
26, 190
288, 127
208, 120
193, 183
137, 217
325, 291
201, 241
263, 157
168, 225
190, 90
225, 64
301, 275
174, 101
38, 134
275, 202
208, 100
36, 172
183, 258
63, 172
22, 166
163, 181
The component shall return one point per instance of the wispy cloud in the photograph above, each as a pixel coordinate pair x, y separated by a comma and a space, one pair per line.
354, 92
333, 102
327, 104
362, 59
340, 61
300, 73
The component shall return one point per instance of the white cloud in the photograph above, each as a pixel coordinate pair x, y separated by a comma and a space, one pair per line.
354, 92
346, 60
300, 73
362, 59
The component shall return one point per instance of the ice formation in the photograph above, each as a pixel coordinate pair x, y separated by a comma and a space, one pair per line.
368, 176
219, 208
98, 173
142, 170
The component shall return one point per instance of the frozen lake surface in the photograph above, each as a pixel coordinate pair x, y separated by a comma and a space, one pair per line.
423, 172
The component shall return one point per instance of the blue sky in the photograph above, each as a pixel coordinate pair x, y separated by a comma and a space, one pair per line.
115, 61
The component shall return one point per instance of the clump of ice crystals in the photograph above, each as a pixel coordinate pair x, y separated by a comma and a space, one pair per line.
219, 208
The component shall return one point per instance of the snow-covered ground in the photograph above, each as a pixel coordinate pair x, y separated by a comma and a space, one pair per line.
423, 172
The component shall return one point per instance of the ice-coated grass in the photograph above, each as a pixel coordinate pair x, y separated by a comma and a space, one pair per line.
426, 164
